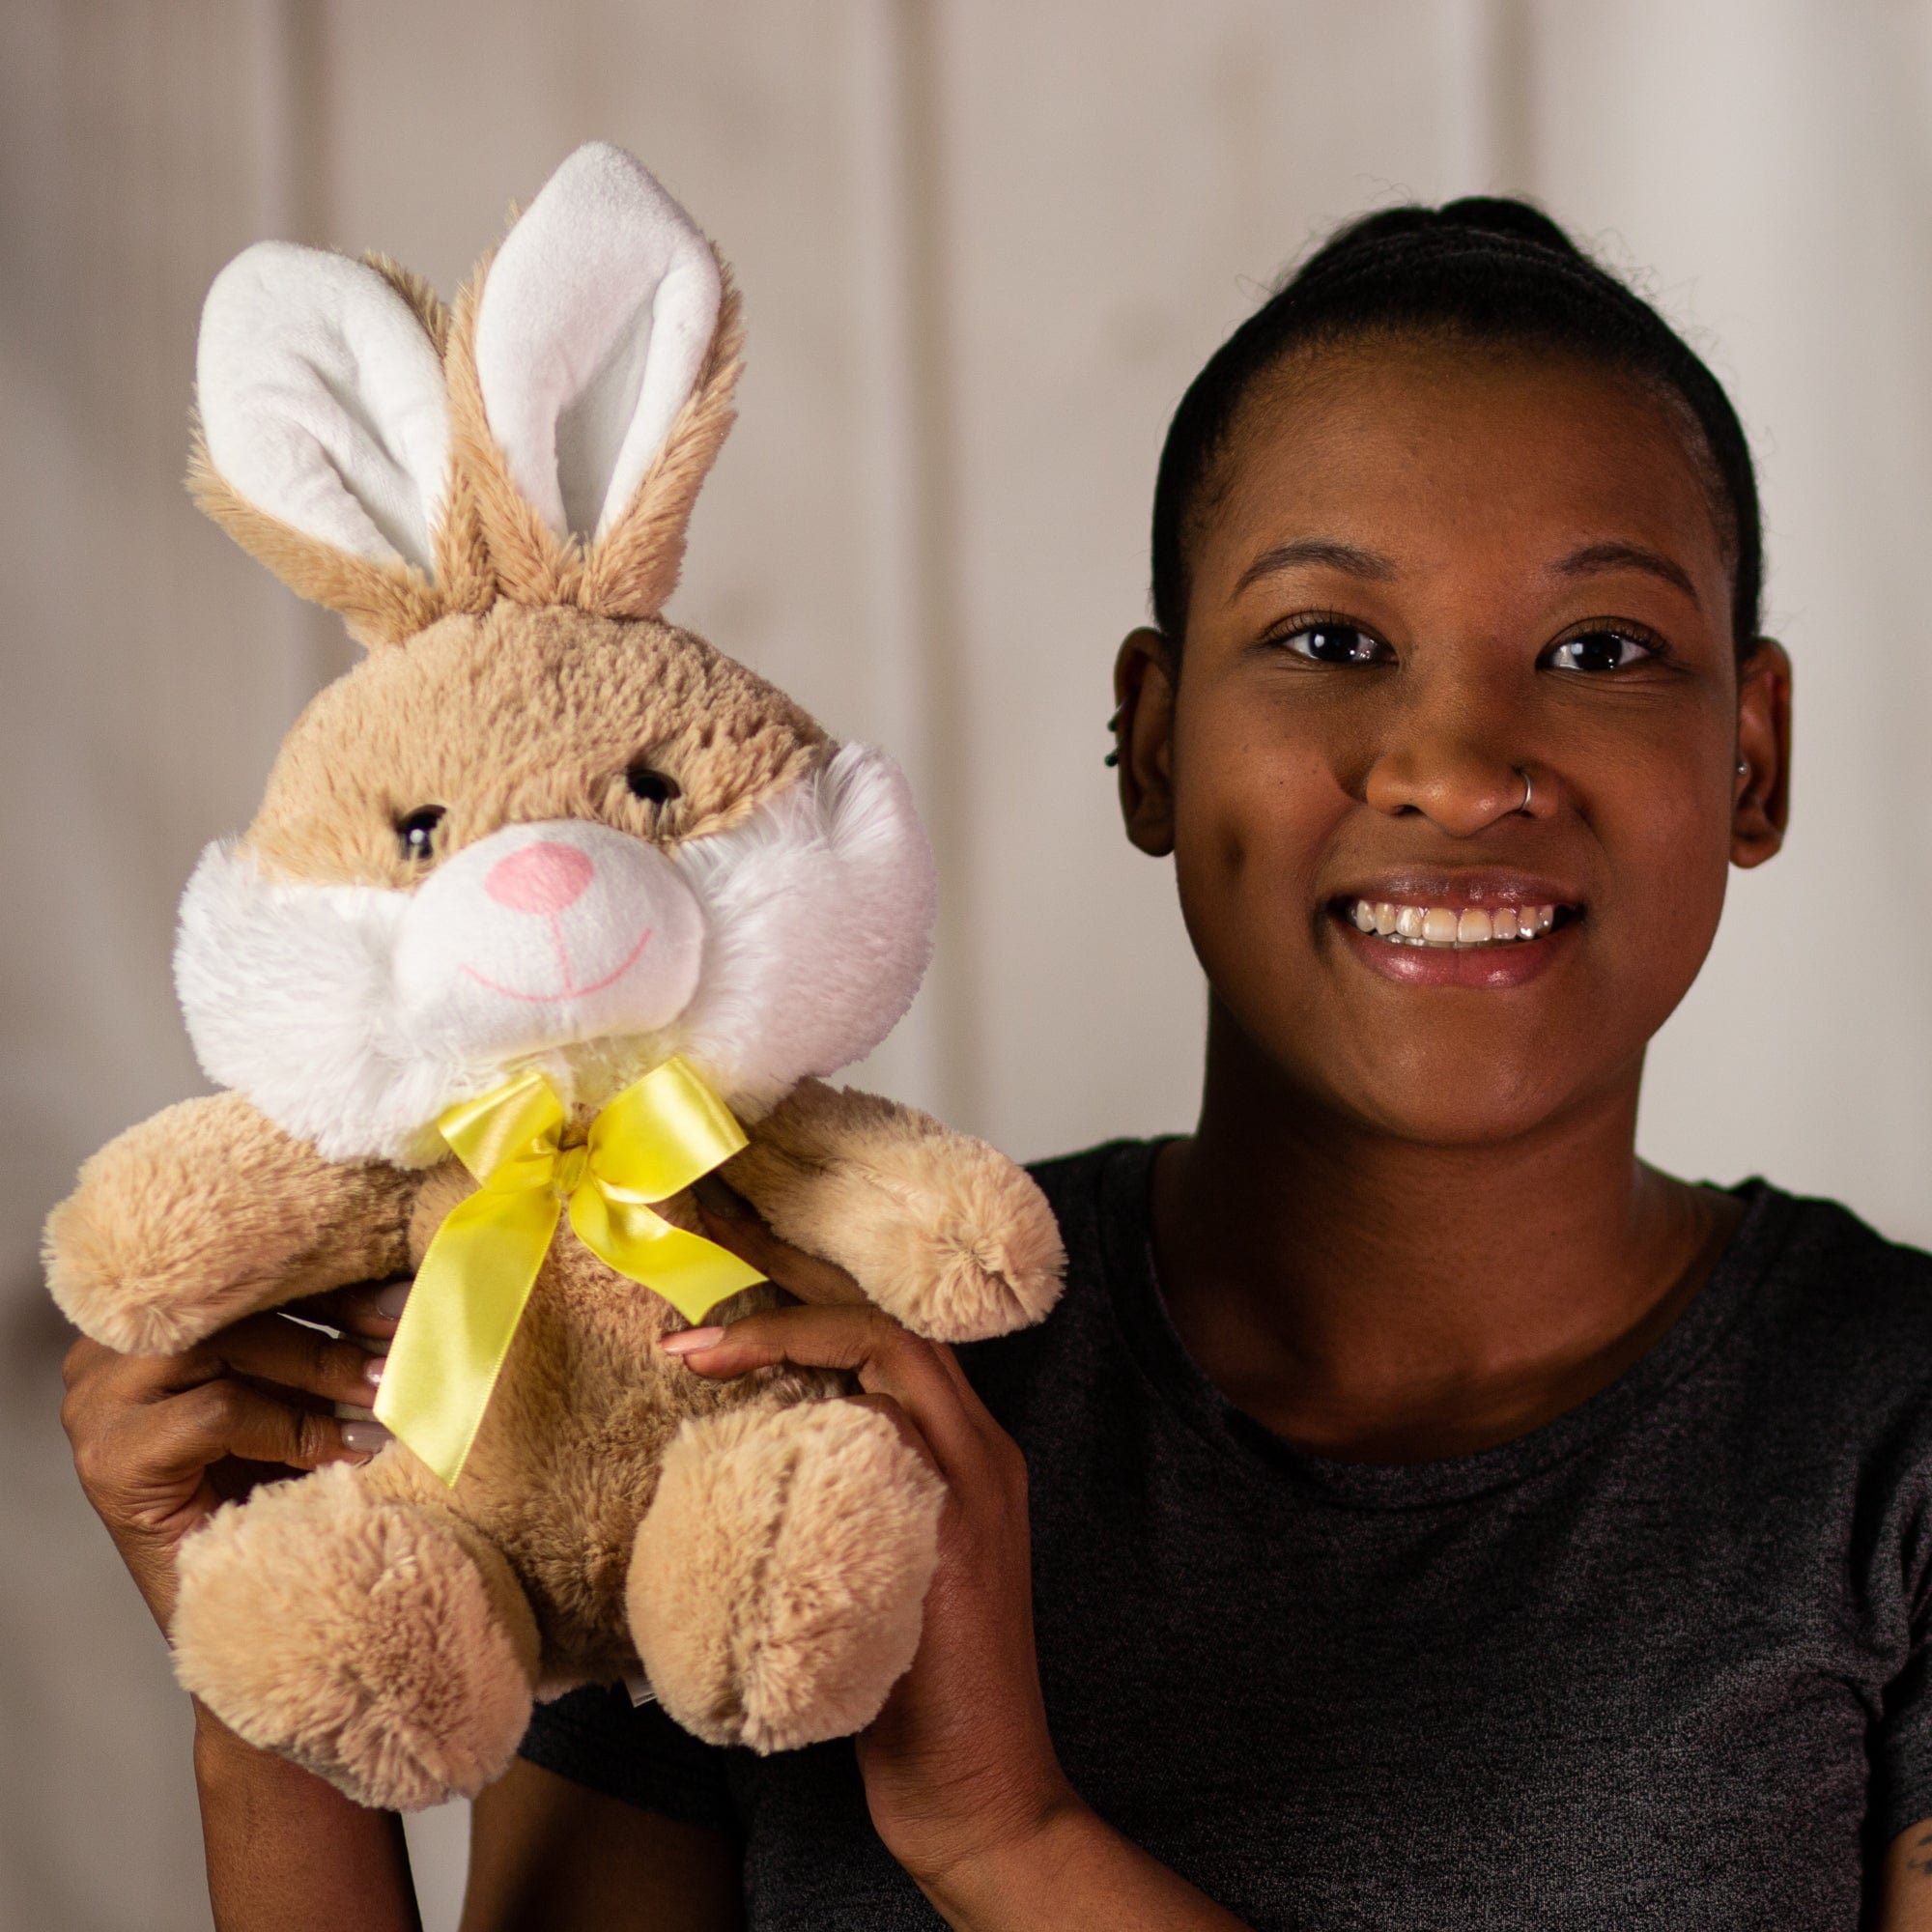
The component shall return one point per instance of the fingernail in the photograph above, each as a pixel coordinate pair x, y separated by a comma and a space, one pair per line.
391, 1299
365, 1436
371, 1369
687, 1341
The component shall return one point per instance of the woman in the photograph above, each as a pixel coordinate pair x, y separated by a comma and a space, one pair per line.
1419, 1512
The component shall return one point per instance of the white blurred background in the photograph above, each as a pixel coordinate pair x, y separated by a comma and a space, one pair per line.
984, 244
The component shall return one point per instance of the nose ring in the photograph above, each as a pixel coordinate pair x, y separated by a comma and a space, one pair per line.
1528, 789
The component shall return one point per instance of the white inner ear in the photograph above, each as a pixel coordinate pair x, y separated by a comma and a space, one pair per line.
321, 399
595, 320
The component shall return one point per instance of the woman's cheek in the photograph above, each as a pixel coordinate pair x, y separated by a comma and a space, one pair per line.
1668, 843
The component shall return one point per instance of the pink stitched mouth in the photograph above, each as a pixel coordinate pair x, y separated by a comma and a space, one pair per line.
569, 990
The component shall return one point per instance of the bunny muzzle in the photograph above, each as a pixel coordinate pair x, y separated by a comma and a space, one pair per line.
542, 935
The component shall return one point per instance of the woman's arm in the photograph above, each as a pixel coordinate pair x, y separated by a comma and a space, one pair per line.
961, 1778
285, 1850
161, 1442
1906, 1903
544, 1853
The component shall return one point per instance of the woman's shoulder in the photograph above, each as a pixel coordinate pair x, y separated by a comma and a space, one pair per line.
1841, 1307
1822, 1252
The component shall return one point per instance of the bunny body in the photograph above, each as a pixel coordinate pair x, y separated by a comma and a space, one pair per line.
537, 829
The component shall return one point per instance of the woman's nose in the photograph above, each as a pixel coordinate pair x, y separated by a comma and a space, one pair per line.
1462, 777
544, 877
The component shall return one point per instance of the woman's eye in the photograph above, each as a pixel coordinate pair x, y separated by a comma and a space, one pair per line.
1600, 650
1334, 643
415, 830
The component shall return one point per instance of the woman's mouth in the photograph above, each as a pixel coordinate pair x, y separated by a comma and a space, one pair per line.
1405, 923
1491, 932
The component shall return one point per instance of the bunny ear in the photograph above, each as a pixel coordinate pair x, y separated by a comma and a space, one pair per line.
325, 430
591, 378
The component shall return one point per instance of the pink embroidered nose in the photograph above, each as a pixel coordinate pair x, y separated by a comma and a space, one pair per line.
544, 877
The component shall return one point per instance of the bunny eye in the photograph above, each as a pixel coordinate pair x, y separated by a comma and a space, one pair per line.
651, 785
415, 830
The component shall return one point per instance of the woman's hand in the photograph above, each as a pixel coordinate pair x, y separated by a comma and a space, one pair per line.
160, 1442
958, 1765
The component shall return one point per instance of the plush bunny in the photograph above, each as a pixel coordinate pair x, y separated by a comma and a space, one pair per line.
542, 878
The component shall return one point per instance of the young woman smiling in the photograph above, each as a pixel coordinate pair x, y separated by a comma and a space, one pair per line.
1419, 1512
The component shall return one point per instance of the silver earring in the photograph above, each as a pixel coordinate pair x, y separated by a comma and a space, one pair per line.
1528, 789
1743, 768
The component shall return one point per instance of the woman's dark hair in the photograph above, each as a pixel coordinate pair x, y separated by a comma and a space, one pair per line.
1484, 268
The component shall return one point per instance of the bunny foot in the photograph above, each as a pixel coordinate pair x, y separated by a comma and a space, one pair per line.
375, 1643
777, 1581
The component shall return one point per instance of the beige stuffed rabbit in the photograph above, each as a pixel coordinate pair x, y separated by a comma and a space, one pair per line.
538, 844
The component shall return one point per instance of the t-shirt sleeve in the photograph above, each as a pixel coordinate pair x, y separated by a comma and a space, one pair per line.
594, 1736
1901, 1740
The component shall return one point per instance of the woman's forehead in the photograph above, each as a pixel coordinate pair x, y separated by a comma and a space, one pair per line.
1405, 446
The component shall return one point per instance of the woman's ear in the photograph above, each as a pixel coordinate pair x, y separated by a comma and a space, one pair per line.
1763, 797
1145, 673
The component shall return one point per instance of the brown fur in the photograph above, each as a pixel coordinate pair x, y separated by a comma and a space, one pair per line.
380, 1644
762, 1550
207, 1212
944, 1231
380, 603
778, 1577
523, 715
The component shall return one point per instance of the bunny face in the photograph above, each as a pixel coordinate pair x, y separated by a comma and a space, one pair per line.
538, 826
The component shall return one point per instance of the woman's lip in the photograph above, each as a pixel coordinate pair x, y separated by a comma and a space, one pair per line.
1462, 890
1503, 963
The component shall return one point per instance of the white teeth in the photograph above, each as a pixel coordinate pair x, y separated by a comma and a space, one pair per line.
1446, 926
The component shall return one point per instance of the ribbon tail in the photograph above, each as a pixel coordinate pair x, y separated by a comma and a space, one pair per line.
458, 1323
692, 1274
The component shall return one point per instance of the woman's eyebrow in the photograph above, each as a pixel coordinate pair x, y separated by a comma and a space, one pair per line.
1625, 556
1338, 555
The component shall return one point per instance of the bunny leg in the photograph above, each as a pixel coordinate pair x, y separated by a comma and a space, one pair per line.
208, 1212
940, 1230
777, 1580
384, 1646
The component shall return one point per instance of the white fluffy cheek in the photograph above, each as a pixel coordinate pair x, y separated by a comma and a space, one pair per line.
542, 935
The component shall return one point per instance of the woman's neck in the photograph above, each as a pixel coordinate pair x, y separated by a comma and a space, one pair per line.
1381, 1300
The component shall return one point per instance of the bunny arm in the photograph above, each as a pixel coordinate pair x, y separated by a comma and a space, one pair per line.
940, 1230
209, 1211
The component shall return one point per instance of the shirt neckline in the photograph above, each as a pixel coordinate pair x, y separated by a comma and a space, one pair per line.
1126, 1257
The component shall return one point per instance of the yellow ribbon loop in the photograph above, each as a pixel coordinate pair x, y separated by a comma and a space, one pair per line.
651, 1141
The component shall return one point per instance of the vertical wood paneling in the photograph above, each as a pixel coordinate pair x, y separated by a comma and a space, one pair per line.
984, 245
147, 675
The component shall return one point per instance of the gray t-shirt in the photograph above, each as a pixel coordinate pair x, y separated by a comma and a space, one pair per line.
1661, 1663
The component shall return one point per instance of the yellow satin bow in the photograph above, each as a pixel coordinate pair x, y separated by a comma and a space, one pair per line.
651, 1141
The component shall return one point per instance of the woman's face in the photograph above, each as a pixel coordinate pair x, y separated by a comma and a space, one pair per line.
1422, 571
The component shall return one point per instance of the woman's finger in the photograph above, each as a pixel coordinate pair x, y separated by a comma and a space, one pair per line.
268, 1349
148, 1466
730, 1221
367, 1308
894, 1414
863, 1341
